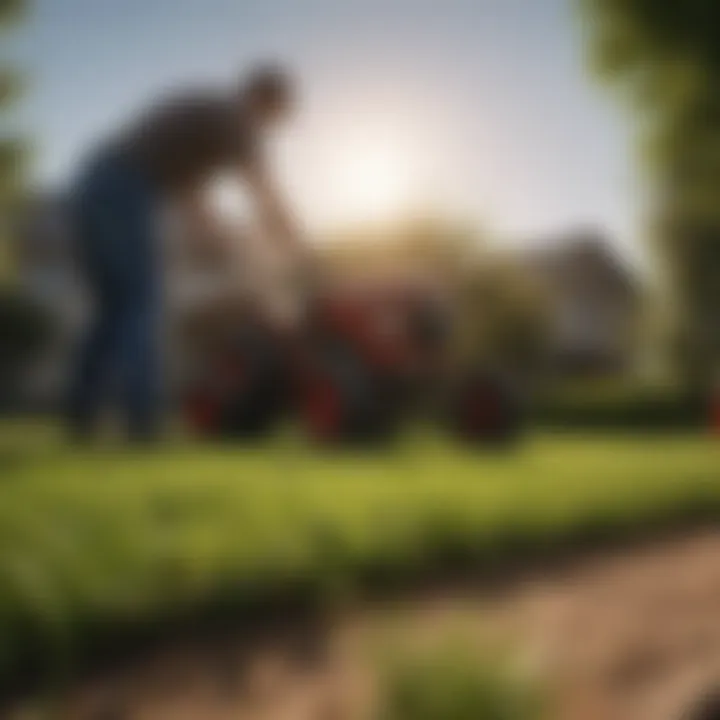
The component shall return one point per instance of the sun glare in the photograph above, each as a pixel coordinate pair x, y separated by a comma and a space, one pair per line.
372, 178
366, 173
375, 183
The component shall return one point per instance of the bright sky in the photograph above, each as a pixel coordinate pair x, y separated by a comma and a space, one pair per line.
478, 107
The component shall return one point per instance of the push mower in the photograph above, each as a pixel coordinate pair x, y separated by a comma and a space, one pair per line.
358, 362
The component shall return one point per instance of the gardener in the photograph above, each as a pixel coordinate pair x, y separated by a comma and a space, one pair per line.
167, 158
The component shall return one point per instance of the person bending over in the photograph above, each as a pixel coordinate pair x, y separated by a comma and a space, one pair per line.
166, 157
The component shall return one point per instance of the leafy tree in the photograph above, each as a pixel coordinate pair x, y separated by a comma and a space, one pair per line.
664, 57
435, 245
25, 330
12, 148
24, 327
503, 318
11, 9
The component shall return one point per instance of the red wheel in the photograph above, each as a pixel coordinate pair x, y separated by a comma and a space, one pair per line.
486, 409
482, 411
202, 413
323, 409
343, 403
242, 391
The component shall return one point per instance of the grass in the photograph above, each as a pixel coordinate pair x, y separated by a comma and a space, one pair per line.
454, 683
98, 547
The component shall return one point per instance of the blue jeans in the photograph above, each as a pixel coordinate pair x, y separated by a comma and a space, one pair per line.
115, 214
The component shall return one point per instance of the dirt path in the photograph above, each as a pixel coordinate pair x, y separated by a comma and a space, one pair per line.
632, 635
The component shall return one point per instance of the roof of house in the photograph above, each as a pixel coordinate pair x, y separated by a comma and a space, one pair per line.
569, 252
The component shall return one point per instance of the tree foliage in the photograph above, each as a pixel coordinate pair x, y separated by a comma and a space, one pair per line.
26, 329
10, 86
12, 149
503, 318
664, 57
11, 10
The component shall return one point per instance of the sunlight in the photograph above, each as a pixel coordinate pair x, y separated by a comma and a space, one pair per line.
372, 174
374, 182
375, 171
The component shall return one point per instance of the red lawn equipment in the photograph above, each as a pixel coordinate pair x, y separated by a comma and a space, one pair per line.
360, 360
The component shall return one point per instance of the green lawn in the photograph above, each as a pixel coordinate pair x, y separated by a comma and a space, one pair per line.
95, 541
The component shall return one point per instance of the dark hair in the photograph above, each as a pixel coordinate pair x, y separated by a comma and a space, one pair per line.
269, 86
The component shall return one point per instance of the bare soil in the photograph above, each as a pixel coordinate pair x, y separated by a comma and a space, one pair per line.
626, 635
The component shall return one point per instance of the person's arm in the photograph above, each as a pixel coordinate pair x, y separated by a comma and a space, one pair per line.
274, 215
201, 222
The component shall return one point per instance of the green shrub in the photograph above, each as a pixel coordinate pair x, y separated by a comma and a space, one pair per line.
455, 684
25, 330
623, 407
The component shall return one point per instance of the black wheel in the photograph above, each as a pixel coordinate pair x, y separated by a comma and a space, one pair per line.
243, 392
344, 403
486, 409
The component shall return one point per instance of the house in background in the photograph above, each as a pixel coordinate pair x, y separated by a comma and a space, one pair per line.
596, 303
